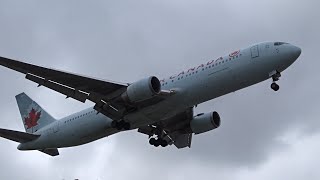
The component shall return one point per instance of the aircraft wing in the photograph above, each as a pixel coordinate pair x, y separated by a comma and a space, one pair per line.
72, 85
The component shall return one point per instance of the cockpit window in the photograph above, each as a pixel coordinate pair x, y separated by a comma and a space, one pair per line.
279, 43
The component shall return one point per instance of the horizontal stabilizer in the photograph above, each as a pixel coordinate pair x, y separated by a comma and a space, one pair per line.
51, 152
17, 136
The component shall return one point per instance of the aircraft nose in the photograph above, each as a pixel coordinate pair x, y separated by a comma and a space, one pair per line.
295, 51
290, 55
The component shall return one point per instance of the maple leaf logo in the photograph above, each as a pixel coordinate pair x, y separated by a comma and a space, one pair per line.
33, 118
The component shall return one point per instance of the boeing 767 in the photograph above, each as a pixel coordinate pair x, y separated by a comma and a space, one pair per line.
159, 108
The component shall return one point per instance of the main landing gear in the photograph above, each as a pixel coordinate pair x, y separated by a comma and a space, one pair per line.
275, 75
158, 138
121, 125
158, 142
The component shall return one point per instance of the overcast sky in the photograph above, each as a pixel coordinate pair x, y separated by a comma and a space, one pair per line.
264, 134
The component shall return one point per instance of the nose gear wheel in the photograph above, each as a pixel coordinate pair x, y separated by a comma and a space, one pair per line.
275, 86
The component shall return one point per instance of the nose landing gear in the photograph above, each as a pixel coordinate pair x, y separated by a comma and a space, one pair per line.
275, 75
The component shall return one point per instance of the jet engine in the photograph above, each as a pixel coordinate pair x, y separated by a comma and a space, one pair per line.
142, 90
205, 122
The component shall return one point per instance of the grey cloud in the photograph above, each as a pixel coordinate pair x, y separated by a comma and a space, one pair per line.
125, 41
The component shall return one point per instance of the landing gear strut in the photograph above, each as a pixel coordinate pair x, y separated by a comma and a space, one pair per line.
275, 75
121, 125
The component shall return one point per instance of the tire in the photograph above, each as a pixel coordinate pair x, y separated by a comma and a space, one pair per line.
152, 141
163, 143
275, 86
126, 126
119, 128
114, 124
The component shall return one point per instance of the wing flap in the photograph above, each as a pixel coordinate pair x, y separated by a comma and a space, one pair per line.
17, 136
182, 140
69, 92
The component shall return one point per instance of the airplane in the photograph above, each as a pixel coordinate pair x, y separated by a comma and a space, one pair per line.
163, 109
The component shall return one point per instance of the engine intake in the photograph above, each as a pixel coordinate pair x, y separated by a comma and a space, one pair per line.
142, 90
205, 122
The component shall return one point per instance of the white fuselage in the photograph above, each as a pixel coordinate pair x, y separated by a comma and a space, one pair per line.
193, 86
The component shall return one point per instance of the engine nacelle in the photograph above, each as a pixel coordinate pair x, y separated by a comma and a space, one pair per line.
142, 90
205, 122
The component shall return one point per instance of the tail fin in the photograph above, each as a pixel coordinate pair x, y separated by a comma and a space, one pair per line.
33, 116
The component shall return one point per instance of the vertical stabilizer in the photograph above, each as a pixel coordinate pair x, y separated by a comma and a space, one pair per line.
33, 116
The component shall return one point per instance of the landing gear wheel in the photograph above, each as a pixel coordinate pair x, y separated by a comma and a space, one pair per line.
114, 124
120, 125
126, 126
163, 143
158, 137
275, 86
152, 141
156, 143
275, 75
119, 128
